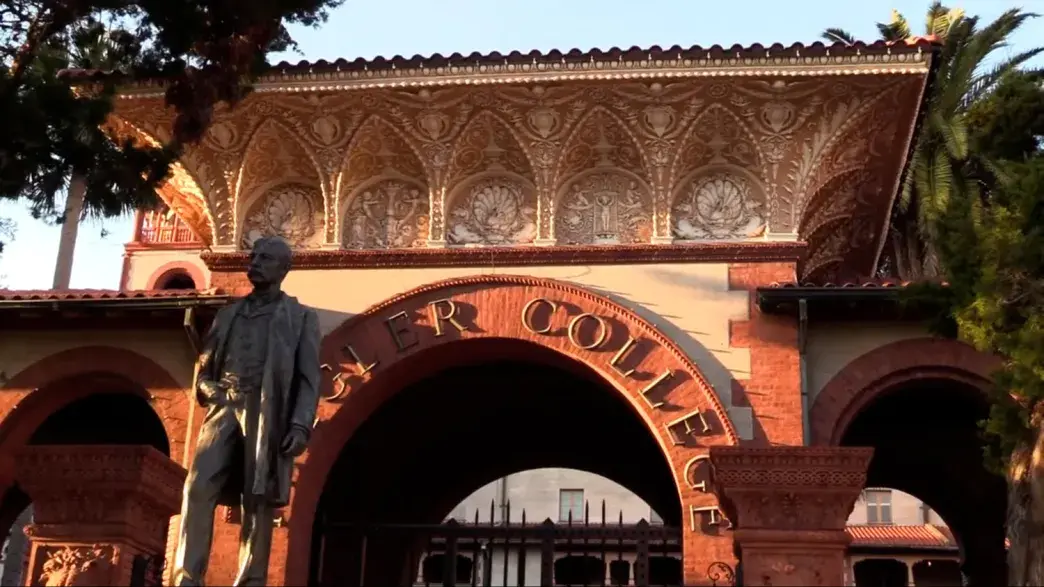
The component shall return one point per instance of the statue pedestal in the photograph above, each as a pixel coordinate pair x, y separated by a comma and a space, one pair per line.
100, 513
789, 507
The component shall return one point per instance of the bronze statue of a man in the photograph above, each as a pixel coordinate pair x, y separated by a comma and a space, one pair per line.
258, 378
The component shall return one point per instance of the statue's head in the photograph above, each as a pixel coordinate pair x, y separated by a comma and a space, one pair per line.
269, 261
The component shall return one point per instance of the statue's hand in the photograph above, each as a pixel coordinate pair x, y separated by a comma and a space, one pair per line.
213, 392
294, 443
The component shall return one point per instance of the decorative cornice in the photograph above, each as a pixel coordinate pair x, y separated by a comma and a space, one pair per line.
744, 252
797, 60
51, 472
791, 468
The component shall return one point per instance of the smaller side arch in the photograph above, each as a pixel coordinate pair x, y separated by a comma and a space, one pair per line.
378, 150
57, 380
182, 191
292, 165
166, 271
875, 372
562, 172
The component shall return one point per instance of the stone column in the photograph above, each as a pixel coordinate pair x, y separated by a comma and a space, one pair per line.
789, 507
95, 509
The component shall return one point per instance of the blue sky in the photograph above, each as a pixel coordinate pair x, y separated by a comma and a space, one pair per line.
408, 27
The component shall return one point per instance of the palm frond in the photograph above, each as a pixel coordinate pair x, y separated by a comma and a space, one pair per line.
983, 83
835, 35
954, 134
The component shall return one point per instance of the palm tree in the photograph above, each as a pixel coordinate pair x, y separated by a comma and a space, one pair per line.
941, 164
93, 45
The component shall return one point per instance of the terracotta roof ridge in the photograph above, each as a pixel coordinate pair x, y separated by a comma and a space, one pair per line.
653, 53
105, 294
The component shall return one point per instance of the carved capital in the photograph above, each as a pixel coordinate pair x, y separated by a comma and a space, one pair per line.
789, 506
89, 492
76, 565
789, 488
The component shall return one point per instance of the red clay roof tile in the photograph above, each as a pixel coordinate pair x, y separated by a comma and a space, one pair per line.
99, 294
864, 283
924, 536
655, 52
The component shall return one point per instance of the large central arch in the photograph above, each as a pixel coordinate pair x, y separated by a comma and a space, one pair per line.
396, 343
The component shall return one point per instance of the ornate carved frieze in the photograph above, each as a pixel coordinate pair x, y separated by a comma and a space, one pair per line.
69, 566
790, 488
136, 488
789, 506
604, 207
572, 163
292, 211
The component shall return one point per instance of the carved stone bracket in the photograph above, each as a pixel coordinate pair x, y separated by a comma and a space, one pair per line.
95, 509
789, 507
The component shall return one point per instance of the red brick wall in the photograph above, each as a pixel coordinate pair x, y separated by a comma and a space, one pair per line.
773, 389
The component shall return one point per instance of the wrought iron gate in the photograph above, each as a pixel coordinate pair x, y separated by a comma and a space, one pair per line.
458, 553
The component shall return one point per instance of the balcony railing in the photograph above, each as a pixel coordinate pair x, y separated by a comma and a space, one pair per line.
163, 227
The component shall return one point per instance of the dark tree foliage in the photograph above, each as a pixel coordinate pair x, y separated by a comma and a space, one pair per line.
207, 51
992, 252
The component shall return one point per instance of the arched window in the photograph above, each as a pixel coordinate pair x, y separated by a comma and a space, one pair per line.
176, 280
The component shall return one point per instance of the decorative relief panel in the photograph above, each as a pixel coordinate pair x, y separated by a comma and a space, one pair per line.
487, 144
601, 141
391, 213
604, 208
291, 211
717, 206
494, 210
74, 566
731, 157
280, 188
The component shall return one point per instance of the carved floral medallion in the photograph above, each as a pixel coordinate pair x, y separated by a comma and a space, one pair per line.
717, 207
494, 211
291, 211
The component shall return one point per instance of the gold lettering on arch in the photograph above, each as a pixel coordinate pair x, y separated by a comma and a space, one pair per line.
573, 331
690, 473
340, 380
621, 355
695, 513
438, 316
686, 422
527, 315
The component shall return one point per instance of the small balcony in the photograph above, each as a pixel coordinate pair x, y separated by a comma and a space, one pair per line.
162, 227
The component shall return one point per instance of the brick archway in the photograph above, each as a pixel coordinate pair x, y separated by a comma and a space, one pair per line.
51, 383
59, 379
877, 371
367, 364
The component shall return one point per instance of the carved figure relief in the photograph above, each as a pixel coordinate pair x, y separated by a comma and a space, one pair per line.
790, 135
389, 214
291, 211
604, 208
716, 207
69, 566
494, 211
